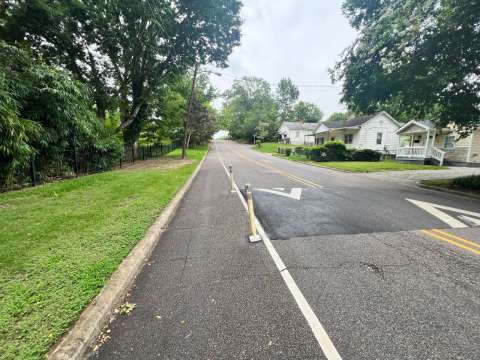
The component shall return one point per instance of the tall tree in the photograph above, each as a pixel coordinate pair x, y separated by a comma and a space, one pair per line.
250, 108
307, 112
134, 46
418, 59
338, 117
287, 95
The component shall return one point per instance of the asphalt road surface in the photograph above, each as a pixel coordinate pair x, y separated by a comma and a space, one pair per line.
351, 267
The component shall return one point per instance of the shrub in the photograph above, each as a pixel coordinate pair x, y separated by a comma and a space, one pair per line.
335, 150
471, 182
318, 153
288, 151
299, 150
366, 155
349, 154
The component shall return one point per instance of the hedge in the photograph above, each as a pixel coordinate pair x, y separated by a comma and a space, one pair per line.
366, 155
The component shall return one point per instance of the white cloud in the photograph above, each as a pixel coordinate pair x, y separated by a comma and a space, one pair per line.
297, 39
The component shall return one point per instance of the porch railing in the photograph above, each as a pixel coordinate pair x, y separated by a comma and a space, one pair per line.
412, 152
438, 155
422, 152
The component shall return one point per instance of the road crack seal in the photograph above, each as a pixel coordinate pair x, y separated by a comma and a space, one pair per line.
377, 270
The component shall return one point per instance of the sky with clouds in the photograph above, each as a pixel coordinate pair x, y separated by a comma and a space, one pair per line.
299, 39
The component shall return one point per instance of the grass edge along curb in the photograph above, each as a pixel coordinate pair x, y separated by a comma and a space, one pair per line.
75, 344
423, 185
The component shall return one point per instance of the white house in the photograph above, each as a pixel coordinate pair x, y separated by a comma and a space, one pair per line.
297, 133
376, 132
423, 142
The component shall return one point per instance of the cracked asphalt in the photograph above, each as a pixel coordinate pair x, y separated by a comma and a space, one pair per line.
381, 287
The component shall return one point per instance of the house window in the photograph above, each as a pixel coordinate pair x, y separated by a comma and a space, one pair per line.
348, 138
319, 141
449, 142
379, 138
297, 134
332, 139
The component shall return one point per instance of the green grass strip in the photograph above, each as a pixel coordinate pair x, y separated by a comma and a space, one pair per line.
60, 242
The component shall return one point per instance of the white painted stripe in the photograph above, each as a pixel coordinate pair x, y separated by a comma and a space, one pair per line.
433, 209
318, 330
295, 193
470, 219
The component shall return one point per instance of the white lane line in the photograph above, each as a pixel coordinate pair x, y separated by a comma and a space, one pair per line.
318, 330
434, 209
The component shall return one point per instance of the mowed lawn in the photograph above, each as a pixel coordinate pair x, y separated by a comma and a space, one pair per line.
371, 166
270, 147
60, 242
353, 166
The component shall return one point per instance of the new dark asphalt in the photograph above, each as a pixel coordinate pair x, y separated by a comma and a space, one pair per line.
381, 288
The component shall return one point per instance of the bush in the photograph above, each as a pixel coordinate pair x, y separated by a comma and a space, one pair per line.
366, 155
471, 182
336, 150
288, 151
299, 150
318, 153
349, 154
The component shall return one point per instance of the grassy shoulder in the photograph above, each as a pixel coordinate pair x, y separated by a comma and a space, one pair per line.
363, 166
62, 241
371, 166
467, 184
271, 148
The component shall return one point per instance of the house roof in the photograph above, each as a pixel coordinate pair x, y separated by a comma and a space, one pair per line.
297, 125
356, 121
426, 124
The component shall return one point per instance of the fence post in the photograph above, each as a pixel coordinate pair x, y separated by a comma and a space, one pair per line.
32, 170
75, 157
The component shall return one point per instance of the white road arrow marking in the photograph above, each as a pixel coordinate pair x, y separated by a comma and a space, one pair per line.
295, 193
434, 209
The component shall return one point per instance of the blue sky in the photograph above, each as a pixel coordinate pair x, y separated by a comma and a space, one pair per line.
297, 39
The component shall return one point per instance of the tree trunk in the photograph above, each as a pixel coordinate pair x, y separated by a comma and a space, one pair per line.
186, 122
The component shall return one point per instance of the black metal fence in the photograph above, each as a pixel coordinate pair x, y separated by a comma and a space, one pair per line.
72, 163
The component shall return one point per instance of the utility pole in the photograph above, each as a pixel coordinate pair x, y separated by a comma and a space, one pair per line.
186, 122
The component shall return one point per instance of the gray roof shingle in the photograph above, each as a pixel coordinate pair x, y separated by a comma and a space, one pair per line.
291, 125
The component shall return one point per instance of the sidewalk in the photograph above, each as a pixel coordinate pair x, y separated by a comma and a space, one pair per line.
207, 293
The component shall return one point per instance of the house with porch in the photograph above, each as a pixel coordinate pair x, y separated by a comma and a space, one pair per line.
297, 133
376, 132
422, 142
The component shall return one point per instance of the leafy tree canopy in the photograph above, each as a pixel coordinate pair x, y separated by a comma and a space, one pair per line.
250, 109
307, 112
287, 95
338, 117
126, 50
416, 59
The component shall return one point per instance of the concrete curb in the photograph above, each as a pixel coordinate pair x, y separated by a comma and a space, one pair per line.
445, 190
78, 341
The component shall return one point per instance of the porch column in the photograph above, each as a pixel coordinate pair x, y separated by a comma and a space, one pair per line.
426, 145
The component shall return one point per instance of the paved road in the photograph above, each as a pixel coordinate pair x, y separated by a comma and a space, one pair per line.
380, 286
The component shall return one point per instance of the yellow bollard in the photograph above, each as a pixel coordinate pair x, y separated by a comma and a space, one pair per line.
254, 237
